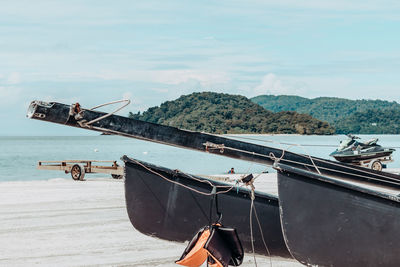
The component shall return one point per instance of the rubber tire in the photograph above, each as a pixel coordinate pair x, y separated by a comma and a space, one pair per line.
77, 172
116, 176
376, 165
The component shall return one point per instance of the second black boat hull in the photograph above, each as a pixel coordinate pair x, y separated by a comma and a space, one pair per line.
327, 222
169, 211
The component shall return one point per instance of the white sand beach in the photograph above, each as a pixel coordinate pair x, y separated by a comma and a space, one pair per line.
61, 222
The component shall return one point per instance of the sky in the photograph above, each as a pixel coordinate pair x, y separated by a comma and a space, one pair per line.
93, 52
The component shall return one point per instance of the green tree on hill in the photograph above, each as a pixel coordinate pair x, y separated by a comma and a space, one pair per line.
223, 113
347, 116
371, 122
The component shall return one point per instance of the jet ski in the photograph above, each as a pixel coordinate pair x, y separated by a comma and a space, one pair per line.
353, 151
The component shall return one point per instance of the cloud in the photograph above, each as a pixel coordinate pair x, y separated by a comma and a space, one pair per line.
205, 78
160, 90
53, 98
271, 85
127, 95
136, 102
166, 77
14, 78
10, 79
306, 86
327, 5
9, 95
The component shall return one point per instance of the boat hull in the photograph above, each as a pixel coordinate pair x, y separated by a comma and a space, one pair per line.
328, 224
169, 211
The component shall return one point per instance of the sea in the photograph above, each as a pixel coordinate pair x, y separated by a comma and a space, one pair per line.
19, 155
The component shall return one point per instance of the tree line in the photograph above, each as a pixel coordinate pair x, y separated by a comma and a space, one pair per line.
345, 115
230, 114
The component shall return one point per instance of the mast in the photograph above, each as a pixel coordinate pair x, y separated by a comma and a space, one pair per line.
75, 116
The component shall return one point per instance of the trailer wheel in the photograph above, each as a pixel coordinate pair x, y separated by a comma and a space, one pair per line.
77, 172
376, 165
116, 176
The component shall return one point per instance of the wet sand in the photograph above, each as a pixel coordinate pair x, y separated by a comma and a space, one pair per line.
61, 222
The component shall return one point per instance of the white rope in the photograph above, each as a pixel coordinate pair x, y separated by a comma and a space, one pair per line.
253, 207
320, 160
185, 186
387, 179
262, 236
207, 181
108, 114
222, 147
395, 181
251, 228
283, 143
276, 142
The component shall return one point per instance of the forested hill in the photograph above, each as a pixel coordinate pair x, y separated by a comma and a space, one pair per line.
328, 109
386, 121
224, 113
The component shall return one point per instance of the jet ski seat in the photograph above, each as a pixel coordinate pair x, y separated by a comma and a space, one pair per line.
371, 142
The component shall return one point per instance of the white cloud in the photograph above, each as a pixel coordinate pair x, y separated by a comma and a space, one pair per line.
160, 90
127, 95
271, 85
166, 77
9, 95
205, 78
306, 86
66, 100
10, 79
14, 78
338, 5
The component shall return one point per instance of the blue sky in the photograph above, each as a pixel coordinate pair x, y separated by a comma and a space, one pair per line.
152, 51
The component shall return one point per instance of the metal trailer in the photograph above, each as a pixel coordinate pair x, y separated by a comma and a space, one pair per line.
376, 163
78, 168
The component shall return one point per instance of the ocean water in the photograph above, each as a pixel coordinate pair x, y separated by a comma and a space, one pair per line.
19, 155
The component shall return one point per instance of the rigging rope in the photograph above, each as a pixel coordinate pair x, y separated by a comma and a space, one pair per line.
262, 236
275, 142
253, 207
387, 179
188, 187
251, 231
283, 143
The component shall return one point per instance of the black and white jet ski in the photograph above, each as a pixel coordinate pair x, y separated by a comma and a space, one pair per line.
353, 151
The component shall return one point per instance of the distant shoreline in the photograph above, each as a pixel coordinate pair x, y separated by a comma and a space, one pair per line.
273, 134
249, 134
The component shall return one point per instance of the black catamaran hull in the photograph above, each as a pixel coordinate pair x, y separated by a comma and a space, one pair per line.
328, 223
166, 210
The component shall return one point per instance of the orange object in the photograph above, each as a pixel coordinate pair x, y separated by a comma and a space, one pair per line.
197, 254
216, 263
217, 244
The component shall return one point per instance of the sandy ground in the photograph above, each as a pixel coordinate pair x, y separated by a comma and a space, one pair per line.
61, 222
